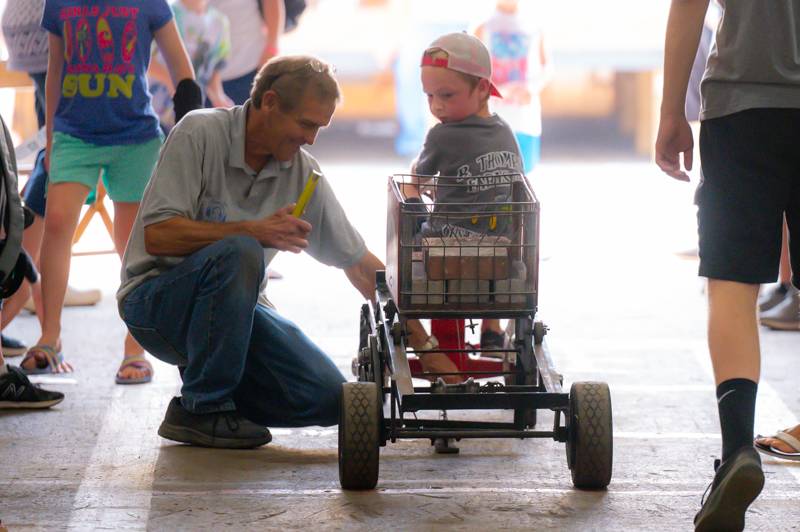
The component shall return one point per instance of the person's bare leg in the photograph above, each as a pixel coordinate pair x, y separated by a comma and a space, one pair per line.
64, 202
735, 355
431, 362
124, 217
31, 242
733, 330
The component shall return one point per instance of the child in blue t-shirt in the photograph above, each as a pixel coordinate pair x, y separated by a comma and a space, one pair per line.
206, 36
100, 122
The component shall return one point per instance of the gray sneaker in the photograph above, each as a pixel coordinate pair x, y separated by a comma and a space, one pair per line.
226, 430
785, 316
773, 296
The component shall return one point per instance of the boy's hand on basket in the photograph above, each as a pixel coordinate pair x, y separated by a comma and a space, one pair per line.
283, 231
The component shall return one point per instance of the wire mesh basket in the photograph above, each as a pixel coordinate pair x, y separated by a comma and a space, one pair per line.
463, 246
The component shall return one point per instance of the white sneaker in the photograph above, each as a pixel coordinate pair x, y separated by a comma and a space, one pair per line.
73, 298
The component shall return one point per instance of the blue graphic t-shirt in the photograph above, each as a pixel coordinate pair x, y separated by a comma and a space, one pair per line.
104, 96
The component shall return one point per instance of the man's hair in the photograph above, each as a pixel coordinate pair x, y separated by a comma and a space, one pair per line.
437, 53
290, 77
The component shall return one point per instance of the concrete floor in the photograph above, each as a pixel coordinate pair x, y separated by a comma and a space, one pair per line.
621, 307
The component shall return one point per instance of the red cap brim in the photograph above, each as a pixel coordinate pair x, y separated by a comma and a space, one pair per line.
493, 90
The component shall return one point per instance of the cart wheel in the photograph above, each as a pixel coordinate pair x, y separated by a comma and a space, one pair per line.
590, 435
359, 436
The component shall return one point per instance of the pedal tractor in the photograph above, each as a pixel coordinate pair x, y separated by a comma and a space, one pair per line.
450, 280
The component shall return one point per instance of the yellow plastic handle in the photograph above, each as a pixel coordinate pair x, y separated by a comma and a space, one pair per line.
305, 196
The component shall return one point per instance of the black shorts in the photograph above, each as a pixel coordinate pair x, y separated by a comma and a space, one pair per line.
751, 179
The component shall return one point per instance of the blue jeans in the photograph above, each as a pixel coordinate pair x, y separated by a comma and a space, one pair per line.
238, 355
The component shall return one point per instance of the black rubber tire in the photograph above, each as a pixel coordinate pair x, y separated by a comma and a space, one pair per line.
590, 439
359, 436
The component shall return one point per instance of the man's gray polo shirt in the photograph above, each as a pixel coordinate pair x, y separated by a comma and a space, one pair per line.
202, 175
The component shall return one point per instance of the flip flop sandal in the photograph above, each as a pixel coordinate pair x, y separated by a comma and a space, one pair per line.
137, 362
786, 438
53, 356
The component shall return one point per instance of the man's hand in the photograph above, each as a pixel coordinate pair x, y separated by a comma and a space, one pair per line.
674, 138
283, 231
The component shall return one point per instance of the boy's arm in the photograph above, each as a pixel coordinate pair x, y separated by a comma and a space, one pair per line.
52, 88
274, 21
684, 28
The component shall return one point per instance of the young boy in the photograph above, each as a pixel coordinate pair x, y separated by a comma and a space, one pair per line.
206, 35
472, 145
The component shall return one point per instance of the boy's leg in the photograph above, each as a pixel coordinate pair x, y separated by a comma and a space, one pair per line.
288, 380
736, 358
741, 200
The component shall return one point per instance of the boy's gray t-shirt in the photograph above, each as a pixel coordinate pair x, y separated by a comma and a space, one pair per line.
755, 61
476, 160
202, 175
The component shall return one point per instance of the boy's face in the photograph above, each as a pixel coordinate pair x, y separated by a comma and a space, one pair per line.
450, 97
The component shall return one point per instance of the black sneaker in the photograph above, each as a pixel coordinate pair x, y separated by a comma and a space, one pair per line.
12, 347
17, 391
225, 430
737, 483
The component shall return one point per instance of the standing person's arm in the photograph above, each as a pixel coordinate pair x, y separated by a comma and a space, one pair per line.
188, 95
159, 73
684, 28
52, 89
274, 20
216, 93
174, 53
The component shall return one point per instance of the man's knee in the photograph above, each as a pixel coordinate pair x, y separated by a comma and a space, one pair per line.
244, 255
330, 402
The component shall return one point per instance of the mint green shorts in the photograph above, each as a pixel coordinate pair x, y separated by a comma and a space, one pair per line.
125, 168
